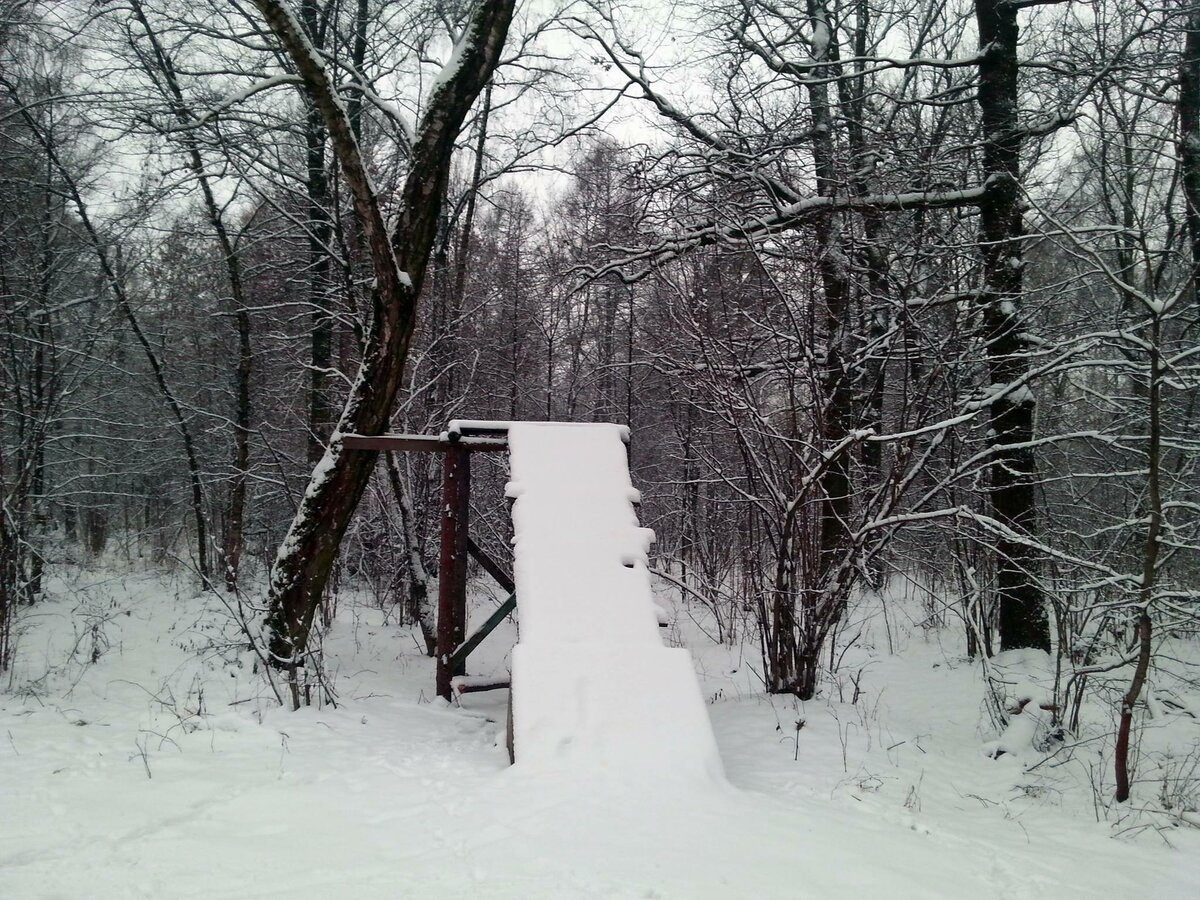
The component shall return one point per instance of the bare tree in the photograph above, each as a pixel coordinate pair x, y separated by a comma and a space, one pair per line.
161, 69
399, 259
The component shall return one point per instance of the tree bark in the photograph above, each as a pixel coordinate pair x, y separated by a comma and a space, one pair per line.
1013, 473
835, 283
871, 373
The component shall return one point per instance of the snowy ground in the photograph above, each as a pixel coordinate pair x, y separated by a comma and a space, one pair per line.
141, 757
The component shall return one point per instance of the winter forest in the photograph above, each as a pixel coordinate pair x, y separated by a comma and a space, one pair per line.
898, 300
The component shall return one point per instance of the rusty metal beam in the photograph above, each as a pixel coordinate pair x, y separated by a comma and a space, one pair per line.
483, 428
452, 566
428, 443
467, 685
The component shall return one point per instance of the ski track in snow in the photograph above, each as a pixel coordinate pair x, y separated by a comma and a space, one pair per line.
391, 796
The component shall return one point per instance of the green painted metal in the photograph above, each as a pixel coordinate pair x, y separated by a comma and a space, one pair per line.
503, 611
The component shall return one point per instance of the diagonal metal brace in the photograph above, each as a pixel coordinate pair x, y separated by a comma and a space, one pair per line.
490, 566
463, 650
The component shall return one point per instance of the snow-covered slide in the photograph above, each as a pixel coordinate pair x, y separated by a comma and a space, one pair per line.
593, 686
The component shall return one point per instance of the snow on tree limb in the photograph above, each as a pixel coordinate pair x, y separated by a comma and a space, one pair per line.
788, 218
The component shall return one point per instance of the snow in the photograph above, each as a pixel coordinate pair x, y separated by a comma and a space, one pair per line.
1022, 396
239, 97
454, 63
1024, 681
631, 713
1018, 394
163, 769
594, 689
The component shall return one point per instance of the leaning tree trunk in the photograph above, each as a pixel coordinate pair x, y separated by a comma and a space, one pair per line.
1189, 168
1013, 472
305, 559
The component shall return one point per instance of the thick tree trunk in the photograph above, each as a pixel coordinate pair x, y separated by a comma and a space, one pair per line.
235, 513
832, 266
1013, 473
870, 374
305, 560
